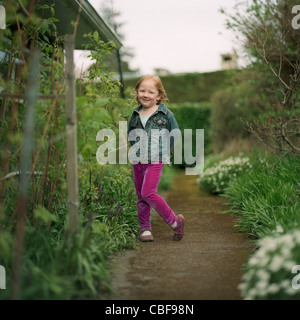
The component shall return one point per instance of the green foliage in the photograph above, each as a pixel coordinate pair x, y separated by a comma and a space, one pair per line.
272, 45
101, 80
216, 178
191, 87
193, 116
232, 108
265, 199
267, 196
55, 263
266, 202
269, 271
166, 178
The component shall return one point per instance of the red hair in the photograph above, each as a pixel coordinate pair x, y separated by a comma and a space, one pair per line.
158, 84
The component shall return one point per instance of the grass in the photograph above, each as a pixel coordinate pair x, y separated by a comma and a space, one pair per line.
59, 265
267, 197
266, 200
167, 177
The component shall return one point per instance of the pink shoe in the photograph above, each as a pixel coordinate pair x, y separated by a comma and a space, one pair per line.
147, 237
178, 231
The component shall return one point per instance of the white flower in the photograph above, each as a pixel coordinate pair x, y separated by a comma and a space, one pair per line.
273, 261
278, 229
263, 275
285, 284
276, 263
288, 265
273, 288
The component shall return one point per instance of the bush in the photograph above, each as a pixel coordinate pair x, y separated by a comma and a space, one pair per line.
267, 196
266, 201
59, 265
269, 272
191, 87
193, 116
232, 107
167, 177
216, 177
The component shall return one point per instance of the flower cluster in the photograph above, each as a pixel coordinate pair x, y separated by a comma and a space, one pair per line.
216, 178
272, 270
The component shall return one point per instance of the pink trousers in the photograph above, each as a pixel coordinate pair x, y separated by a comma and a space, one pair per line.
146, 180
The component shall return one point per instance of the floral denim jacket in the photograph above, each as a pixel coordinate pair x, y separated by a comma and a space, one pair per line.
164, 121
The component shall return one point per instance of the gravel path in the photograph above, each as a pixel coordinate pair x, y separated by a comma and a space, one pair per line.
206, 264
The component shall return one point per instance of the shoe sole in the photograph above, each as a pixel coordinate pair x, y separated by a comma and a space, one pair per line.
147, 239
174, 237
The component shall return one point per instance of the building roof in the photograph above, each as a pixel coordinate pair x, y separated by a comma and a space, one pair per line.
66, 11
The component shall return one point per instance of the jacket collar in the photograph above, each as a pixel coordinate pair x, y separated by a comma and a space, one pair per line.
161, 108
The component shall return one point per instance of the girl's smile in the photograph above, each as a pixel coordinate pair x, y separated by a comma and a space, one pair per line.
148, 95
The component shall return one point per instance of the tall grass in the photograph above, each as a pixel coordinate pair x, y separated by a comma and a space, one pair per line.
61, 265
265, 199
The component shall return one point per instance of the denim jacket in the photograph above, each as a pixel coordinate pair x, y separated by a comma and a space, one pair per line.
154, 142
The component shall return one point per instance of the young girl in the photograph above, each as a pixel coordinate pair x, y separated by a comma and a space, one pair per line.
151, 114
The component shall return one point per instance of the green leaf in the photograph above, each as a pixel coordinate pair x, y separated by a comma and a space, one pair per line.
81, 101
101, 102
42, 213
104, 115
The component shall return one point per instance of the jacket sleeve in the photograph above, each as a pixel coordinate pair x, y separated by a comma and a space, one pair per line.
129, 129
171, 126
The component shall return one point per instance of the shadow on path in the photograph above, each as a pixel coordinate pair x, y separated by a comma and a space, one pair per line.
206, 264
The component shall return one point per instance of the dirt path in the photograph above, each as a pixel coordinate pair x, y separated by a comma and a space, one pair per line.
205, 264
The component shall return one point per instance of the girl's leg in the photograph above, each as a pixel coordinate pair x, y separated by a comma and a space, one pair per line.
149, 194
143, 208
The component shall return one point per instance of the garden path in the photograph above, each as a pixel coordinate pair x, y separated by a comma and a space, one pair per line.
206, 264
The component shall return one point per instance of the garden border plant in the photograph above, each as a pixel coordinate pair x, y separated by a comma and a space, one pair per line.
265, 202
56, 264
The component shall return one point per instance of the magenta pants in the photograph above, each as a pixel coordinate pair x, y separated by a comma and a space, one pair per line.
146, 180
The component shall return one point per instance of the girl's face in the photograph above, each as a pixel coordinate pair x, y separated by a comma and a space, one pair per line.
147, 94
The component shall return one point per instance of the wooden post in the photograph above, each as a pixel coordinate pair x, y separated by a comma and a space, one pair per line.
71, 134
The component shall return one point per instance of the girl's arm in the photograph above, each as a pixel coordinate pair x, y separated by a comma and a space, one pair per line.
129, 129
172, 124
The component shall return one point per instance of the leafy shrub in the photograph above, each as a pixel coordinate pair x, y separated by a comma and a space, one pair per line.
193, 116
55, 263
266, 201
232, 107
191, 87
267, 196
166, 178
216, 178
269, 270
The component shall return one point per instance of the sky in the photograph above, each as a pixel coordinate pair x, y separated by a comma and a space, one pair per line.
177, 35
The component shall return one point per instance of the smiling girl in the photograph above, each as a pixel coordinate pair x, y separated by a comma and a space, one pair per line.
151, 114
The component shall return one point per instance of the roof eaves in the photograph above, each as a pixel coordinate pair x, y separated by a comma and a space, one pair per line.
99, 24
